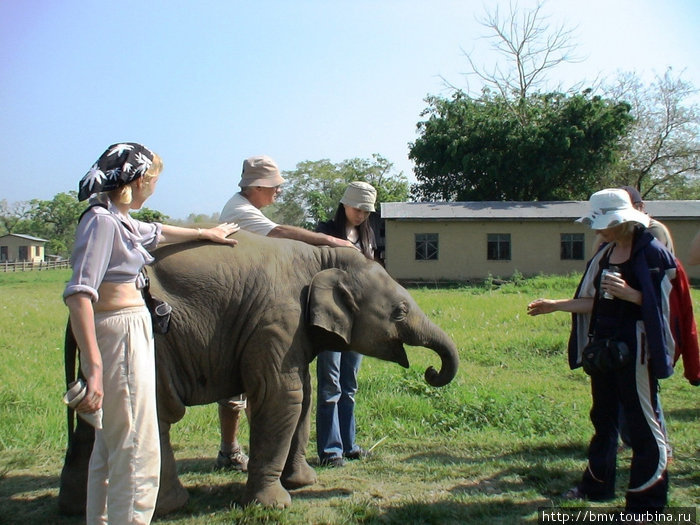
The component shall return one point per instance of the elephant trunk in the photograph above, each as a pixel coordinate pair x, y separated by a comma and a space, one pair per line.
431, 336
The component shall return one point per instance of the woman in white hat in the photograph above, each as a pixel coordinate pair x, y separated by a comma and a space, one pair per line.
629, 307
337, 371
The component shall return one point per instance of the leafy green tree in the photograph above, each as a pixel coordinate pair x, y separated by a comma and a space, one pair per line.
55, 220
314, 189
13, 216
149, 215
555, 146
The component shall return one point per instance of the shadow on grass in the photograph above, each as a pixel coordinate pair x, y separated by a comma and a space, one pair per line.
686, 415
449, 512
32, 500
496, 488
545, 470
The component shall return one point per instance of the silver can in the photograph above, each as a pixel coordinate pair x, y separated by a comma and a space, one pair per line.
603, 275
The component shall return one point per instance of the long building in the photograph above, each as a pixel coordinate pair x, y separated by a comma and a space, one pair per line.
463, 241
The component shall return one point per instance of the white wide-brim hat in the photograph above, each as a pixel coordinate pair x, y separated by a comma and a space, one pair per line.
611, 207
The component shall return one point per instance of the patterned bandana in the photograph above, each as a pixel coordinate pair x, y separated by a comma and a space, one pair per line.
117, 166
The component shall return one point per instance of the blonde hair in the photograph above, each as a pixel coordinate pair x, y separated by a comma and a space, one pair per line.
624, 229
123, 195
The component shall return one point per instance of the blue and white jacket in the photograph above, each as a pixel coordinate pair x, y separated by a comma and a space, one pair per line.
655, 268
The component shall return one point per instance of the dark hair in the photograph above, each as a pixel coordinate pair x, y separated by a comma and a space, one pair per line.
340, 221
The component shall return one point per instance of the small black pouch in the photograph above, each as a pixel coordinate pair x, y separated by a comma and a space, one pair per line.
160, 315
605, 355
160, 310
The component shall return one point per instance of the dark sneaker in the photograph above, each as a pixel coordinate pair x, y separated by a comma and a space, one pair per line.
236, 460
333, 462
574, 493
359, 453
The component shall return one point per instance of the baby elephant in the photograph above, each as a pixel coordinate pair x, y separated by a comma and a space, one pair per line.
251, 319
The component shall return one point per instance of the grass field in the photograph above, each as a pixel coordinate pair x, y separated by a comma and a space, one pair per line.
507, 436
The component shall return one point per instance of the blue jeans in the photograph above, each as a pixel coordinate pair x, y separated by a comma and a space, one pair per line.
335, 408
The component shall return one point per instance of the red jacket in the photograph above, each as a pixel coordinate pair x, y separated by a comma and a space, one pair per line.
685, 334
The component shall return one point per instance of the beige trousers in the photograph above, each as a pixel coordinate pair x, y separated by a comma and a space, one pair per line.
124, 469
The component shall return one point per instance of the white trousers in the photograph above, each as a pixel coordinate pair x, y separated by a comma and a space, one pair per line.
124, 469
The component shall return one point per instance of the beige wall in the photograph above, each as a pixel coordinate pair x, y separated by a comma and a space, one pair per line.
35, 252
535, 248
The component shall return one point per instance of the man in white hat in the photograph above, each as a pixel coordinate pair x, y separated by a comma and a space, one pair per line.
260, 183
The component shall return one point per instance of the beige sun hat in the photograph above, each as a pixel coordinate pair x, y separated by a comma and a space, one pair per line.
611, 207
360, 195
260, 171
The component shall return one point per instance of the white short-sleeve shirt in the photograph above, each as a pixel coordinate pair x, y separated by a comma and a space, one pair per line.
239, 210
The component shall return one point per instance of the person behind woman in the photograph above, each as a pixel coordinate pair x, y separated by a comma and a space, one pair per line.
112, 327
633, 308
337, 371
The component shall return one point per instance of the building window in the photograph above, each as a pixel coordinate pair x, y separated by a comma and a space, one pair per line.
24, 253
3, 253
572, 246
426, 246
498, 247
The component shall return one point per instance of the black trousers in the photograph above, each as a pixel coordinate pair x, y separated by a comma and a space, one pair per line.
636, 391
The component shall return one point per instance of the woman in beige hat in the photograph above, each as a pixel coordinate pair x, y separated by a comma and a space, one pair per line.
631, 308
337, 371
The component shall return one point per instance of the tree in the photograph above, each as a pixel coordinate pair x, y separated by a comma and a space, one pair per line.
12, 216
314, 189
149, 215
201, 218
528, 46
553, 148
56, 220
511, 142
661, 152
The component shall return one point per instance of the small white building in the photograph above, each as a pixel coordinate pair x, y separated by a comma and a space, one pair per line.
460, 241
16, 247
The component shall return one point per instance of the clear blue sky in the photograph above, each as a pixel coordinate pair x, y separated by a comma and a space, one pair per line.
208, 83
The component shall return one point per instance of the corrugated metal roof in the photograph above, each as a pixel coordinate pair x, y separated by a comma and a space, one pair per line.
23, 236
525, 210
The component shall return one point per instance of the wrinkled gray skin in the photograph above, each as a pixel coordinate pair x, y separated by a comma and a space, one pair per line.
251, 319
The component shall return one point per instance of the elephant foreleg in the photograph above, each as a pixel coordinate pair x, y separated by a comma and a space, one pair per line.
297, 472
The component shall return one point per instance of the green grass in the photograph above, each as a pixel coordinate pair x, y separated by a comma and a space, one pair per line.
507, 436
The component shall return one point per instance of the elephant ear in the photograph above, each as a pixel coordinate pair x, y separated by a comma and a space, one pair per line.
331, 305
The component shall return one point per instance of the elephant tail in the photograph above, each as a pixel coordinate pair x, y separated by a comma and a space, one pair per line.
70, 349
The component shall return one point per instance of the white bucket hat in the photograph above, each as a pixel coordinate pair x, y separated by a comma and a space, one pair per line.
611, 207
360, 195
260, 171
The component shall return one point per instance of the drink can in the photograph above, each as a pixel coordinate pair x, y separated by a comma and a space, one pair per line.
603, 275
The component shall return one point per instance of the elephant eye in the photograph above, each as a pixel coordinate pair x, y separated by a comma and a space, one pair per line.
400, 312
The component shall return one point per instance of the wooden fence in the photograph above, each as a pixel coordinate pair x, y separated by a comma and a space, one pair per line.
28, 266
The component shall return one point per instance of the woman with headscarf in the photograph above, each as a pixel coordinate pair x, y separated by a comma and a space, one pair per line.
629, 307
113, 329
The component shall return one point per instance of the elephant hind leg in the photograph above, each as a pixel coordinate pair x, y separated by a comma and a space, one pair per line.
171, 494
297, 472
301, 475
